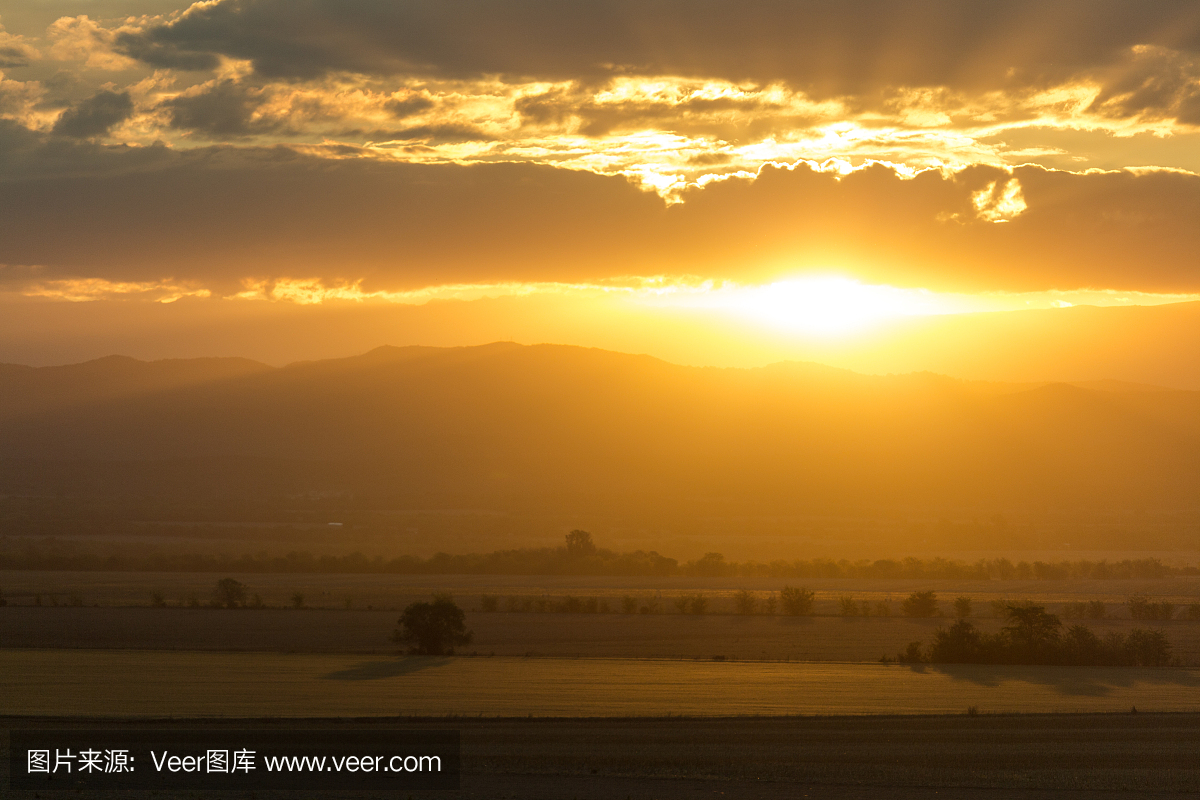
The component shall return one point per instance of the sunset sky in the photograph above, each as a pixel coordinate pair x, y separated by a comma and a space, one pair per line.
888, 187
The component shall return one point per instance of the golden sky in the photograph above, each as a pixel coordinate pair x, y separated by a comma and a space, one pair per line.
714, 182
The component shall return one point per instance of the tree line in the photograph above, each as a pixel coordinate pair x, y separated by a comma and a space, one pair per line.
579, 556
1035, 636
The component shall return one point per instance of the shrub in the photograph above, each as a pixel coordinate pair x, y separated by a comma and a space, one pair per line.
298, 600
433, 628
629, 605
745, 602
920, 604
962, 607
256, 601
651, 606
193, 601
1096, 609
157, 600
848, 606
883, 608
796, 602
489, 602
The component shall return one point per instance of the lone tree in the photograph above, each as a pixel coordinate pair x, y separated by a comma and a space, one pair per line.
796, 602
920, 604
579, 543
230, 593
433, 629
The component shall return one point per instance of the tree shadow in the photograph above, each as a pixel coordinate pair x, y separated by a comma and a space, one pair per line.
392, 668
1069, 681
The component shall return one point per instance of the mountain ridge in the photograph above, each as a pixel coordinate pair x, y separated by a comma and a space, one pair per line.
529, 424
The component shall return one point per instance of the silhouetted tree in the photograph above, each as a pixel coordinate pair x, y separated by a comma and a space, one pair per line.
960, 644
433, 628
712, 565
746, 602
1032, 633
230, 593
920, 604
849, 606
796, 602
962, 607
1148, 648
579, 543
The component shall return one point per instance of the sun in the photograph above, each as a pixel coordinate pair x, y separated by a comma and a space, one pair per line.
820, 305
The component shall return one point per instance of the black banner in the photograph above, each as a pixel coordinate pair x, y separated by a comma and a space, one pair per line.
79, 759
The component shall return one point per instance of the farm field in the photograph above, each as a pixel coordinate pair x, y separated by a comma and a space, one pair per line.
989, 757
566, 635
323, 590
138, 683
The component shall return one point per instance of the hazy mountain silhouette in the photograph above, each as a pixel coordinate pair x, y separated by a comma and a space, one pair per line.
504, 425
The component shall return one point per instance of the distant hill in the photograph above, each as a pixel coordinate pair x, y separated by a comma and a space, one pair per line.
524, 427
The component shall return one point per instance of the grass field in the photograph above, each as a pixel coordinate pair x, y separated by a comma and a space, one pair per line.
132, 683
395, 591
593, 635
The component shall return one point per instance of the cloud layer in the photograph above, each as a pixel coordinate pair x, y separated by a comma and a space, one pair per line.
830, 48
223, 216
400, 145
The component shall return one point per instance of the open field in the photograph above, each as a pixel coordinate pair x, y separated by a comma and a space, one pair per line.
568, 635
140, 683
396, 591
1044, 757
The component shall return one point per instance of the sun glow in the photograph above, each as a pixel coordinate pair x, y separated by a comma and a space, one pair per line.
827, 305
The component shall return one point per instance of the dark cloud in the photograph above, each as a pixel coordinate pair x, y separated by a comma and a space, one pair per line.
11, 57
730, 118
95, 116
425, 134
826, 46
31, 155
217, 215
1153, 82
408, 106
224, 110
